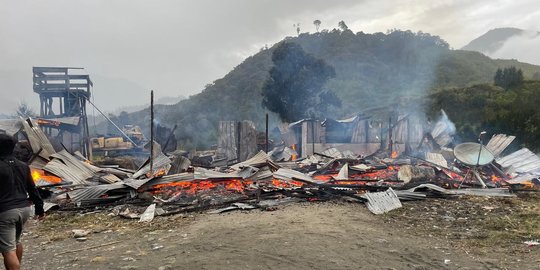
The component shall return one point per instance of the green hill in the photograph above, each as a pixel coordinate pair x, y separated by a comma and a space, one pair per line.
372, 70
486, 107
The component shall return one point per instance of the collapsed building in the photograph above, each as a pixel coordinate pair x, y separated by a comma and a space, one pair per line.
362, 158
362, 162
364, 135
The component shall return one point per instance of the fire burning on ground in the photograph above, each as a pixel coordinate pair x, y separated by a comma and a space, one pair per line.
286, 184
195, 186
390, 173
223, 186
40, 175
159, 173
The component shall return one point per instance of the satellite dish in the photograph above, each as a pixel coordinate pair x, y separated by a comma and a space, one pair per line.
473, 154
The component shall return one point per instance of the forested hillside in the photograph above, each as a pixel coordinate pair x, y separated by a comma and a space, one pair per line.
491, 108
372, 70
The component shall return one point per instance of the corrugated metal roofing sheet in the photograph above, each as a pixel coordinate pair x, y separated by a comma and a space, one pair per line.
70, 169
179, 164
288, 174
343, 172
263, 174
382, 202
161, 161
70, 120
68, 174
38, 139
169, 179
258, 160
281, 154
493, 192
437, 158
443, 130
39, 163
349, 120
42, 183
247, 172
298, 122
109, 178
10, 126
490, 192
521, 161
70, 160
523, 178
48, 206
333, 152
93, 192
136, 183
499, 143
202, 174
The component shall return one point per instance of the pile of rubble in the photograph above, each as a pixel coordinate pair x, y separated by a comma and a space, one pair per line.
170, 184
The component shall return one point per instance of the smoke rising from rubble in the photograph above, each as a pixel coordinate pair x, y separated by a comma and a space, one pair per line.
451, 127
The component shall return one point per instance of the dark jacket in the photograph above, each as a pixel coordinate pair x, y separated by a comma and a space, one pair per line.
17, 189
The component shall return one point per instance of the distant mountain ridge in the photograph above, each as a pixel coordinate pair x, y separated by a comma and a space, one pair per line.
493, 40
159, 101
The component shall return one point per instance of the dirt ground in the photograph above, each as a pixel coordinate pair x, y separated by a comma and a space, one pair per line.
459, 233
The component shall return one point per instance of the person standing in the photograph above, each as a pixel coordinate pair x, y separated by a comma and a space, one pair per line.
17, 191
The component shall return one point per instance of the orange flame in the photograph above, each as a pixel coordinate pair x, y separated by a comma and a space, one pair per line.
192, 187
48, 122
41, 175
235, 185
294, 156
528, 185
453, 175
385, 174
324, 177
496, 179
158, 173
286, 184
351, 182
394, 154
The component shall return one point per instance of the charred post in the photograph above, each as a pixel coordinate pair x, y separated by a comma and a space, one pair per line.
152, 132
266, 135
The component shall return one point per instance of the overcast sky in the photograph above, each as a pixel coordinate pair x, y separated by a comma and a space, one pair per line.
176, 47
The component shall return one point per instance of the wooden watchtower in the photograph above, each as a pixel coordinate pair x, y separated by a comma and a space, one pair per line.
63, 92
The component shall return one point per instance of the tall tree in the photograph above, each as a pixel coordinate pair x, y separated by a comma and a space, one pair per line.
294, 89
343, 26
317, 24
297, 27
24, 110
498, 80
508, 77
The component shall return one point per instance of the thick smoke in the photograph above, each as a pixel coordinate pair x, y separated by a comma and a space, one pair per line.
444, 130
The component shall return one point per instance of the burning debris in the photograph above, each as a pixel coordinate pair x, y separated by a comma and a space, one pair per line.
403, 167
